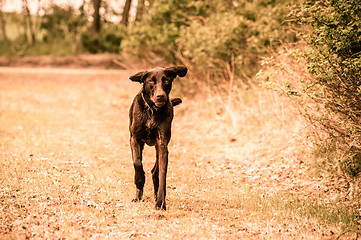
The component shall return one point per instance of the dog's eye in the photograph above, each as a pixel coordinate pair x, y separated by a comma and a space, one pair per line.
151, 85
166, 81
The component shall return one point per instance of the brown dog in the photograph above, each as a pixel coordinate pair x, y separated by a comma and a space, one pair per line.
151, 116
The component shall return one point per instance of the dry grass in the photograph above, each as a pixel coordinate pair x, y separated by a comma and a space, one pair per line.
66, 170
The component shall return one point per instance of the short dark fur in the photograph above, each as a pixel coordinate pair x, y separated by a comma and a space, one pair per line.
151, 116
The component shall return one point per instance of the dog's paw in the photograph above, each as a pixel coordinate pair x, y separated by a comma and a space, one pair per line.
160, 205
138, 196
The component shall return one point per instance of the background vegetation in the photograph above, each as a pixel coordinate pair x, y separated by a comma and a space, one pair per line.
324, 82
308, 50
334, 60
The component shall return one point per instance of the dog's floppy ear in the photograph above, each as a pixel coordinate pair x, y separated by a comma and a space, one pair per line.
176, 71
138, 77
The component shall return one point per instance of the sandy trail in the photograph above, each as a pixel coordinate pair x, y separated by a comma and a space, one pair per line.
66, 170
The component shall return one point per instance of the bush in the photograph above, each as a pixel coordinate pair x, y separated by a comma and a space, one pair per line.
335, 63
323, 77
106, 41
330, 93
60, 23
144, 40
158, 32
220, 40
91, 42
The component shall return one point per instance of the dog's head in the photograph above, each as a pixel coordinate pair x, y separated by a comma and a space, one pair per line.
157, 83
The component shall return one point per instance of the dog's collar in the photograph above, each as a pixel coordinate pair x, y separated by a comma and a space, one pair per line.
151, 108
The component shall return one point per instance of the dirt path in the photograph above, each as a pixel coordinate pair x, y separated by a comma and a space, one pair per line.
66, 171
98, 61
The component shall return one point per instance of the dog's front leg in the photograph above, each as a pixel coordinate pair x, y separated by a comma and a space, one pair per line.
162, 166
139, 178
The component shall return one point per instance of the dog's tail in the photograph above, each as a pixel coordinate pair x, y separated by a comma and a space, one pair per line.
176, 101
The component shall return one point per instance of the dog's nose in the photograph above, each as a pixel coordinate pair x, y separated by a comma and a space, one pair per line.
160, 94
161, 97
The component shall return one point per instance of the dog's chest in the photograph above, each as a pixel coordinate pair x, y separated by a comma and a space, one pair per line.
149, 131
150, 124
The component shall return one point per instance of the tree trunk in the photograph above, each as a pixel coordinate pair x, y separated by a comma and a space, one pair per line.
96, 16
37, 21
74, 45
30, 22
3, 29
140, 10
125, 14
25, 29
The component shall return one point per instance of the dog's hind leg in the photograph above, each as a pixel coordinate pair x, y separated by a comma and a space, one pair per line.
155, 174
139, 178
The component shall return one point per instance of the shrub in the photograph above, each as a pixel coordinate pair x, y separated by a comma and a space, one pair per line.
105, 41
158, 32
219, 40
216, 42
330, 93
60, 23
335, 63
323, 77
91, 42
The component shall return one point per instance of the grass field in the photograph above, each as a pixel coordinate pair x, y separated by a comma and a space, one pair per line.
237, 167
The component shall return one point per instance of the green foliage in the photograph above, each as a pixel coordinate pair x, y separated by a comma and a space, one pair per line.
216, 41
95, 43
13, 23
335, 63
61, 31
159, 31
209, 34
108, 40
218, 38
60, 48
58, 22
19, 48
322, 77
142, 40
